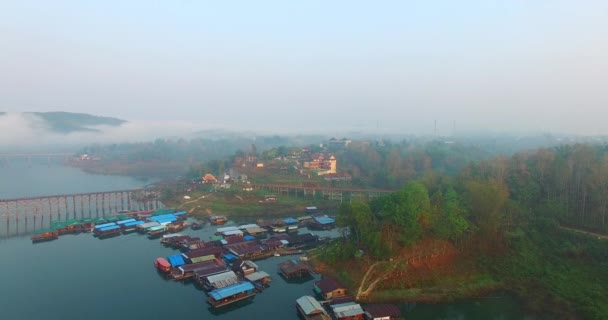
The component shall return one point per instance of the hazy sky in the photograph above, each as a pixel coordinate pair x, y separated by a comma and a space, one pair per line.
507, 65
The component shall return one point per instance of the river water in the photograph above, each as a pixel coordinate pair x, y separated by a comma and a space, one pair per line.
82, 277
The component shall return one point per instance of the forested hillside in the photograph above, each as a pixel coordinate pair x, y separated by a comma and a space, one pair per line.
497, 223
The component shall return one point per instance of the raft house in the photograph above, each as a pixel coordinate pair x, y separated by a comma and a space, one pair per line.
322, 223
45, 235
329, 288
224, 296
293, 269
347, 311
310, 309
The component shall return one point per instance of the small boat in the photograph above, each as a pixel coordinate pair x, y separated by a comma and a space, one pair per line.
196, 226
162, 264
215, 219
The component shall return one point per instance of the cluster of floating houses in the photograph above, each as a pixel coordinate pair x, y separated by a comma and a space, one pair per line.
154, 223
336, 304
223, 265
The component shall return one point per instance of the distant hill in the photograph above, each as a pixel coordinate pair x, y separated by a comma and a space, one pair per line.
67, 122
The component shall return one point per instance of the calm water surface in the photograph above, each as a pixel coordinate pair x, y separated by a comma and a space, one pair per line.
82, 277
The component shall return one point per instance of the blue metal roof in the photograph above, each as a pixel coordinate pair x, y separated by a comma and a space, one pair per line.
179, 213
248, 238
134, 223
109, 228
229, 256
325, 220
125, 221
162, 217
290, 221
230, 290
166, 220
105, 225
176, 260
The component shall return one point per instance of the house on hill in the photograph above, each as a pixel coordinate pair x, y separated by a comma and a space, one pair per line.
209, 178
322, 164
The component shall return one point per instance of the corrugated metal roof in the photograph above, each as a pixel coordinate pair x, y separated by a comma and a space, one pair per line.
109, 228
162, 217
290, 221
176, 260
134, 223
224, 229
155, 228
232, 232
125, 221
224, 279
257, 276
105, 225
246, 226
325, 220
348, 309
147, 225
202, 259
309, 305
228, 291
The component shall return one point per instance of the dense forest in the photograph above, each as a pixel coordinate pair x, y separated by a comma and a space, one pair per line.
504, 222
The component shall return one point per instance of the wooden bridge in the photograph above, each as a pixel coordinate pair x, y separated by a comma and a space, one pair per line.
328, 193
22, 215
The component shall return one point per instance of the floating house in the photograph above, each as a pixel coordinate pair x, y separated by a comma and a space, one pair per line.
74, 226
347, 311
45, 235
258, 278
143, 228
176, 226
292, 224
209, 268
382, 312
108, 231
244, 267
278, 227
328, 288
293, 269
247, 250
231, 294
187, 271
256, 231
156, 231
215, 251
322, 223
310, 309
220, 280
220, 231
131, 226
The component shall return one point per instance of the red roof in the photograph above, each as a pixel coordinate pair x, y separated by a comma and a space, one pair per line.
162, 263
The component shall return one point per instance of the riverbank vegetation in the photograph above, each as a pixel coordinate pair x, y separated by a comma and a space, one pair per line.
496, 224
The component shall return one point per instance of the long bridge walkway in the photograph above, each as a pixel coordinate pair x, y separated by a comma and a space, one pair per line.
22, 215
329, 193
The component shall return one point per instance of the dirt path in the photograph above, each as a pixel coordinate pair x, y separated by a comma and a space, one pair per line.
593, 234
195, 200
